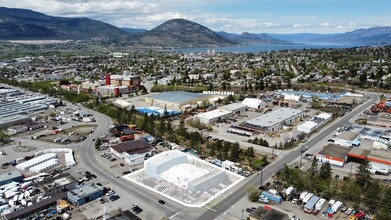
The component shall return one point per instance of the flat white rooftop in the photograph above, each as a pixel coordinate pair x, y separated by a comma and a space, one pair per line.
214, 114
274, 117
182, 174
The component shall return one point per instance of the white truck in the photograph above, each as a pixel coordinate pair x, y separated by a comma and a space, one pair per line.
289, 191
303, 195
337, 205
319, 205
307, 198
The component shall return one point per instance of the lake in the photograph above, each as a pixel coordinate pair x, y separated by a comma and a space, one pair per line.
270, 47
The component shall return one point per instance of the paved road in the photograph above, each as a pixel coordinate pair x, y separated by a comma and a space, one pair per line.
278, 164
88, 158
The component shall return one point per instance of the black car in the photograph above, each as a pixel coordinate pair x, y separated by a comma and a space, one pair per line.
162, 202
251, 210
137, 209
114, 197
299, 202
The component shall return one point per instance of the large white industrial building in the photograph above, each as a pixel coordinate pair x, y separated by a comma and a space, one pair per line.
213, 116
274, 120
176, 168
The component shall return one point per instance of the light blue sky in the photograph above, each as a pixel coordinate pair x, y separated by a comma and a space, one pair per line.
256, 16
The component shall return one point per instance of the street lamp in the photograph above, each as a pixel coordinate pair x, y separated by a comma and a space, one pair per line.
242, 213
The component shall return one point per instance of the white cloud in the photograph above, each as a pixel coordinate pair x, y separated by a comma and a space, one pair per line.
325, 24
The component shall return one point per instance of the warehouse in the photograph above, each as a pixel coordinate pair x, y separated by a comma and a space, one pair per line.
13, 120
307, 127
47, 165
85, 194
35, 161
213, 116
235, 108
253, 103
176, 168
15, 108
8, 177
52, 185
274, 120
347, 139
373, 134
334, 154
177, 99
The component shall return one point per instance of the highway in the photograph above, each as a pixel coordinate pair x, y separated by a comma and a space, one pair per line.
268, 171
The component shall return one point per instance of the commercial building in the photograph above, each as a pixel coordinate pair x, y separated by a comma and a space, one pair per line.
334, 154
21, 107
347, 139
177, 99
139, 146
213, 116
127, 79
41, 205
13, 120
61, 183
307, 127
8, 177
253, 103
274, 120
111, 90
85, 194
235, 108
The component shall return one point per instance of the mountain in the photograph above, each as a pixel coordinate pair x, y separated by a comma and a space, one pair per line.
182, 33
249, 38
17, 24
370, 36
302, 37
134, 30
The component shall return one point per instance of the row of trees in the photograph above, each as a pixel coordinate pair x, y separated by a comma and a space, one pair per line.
361, 190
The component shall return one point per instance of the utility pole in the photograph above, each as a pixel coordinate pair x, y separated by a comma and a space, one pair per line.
301, 157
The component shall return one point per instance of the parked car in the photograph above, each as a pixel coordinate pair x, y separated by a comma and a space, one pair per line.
349, 211
162, 202
114, 197
100, 200
324, 213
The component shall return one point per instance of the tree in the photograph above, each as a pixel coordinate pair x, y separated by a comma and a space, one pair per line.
372, 195
325, 171
252, 193
249, 153
314, 167
234, 152
363, 176
258, 164
98, 142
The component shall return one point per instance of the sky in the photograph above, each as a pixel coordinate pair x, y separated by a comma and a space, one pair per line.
234, 16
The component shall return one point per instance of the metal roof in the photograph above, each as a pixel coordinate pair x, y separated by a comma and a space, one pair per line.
334, 150
274, 117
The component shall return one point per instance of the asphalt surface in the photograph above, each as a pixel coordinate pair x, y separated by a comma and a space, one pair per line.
88, 158
268, 171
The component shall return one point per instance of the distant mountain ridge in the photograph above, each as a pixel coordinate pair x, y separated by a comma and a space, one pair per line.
23, 24
370, 36
28, 24
181, 32
250, 38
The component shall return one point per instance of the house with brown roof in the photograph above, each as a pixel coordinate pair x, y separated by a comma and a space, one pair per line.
136, 147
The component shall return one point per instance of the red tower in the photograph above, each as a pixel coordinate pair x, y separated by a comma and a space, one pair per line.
108, 80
